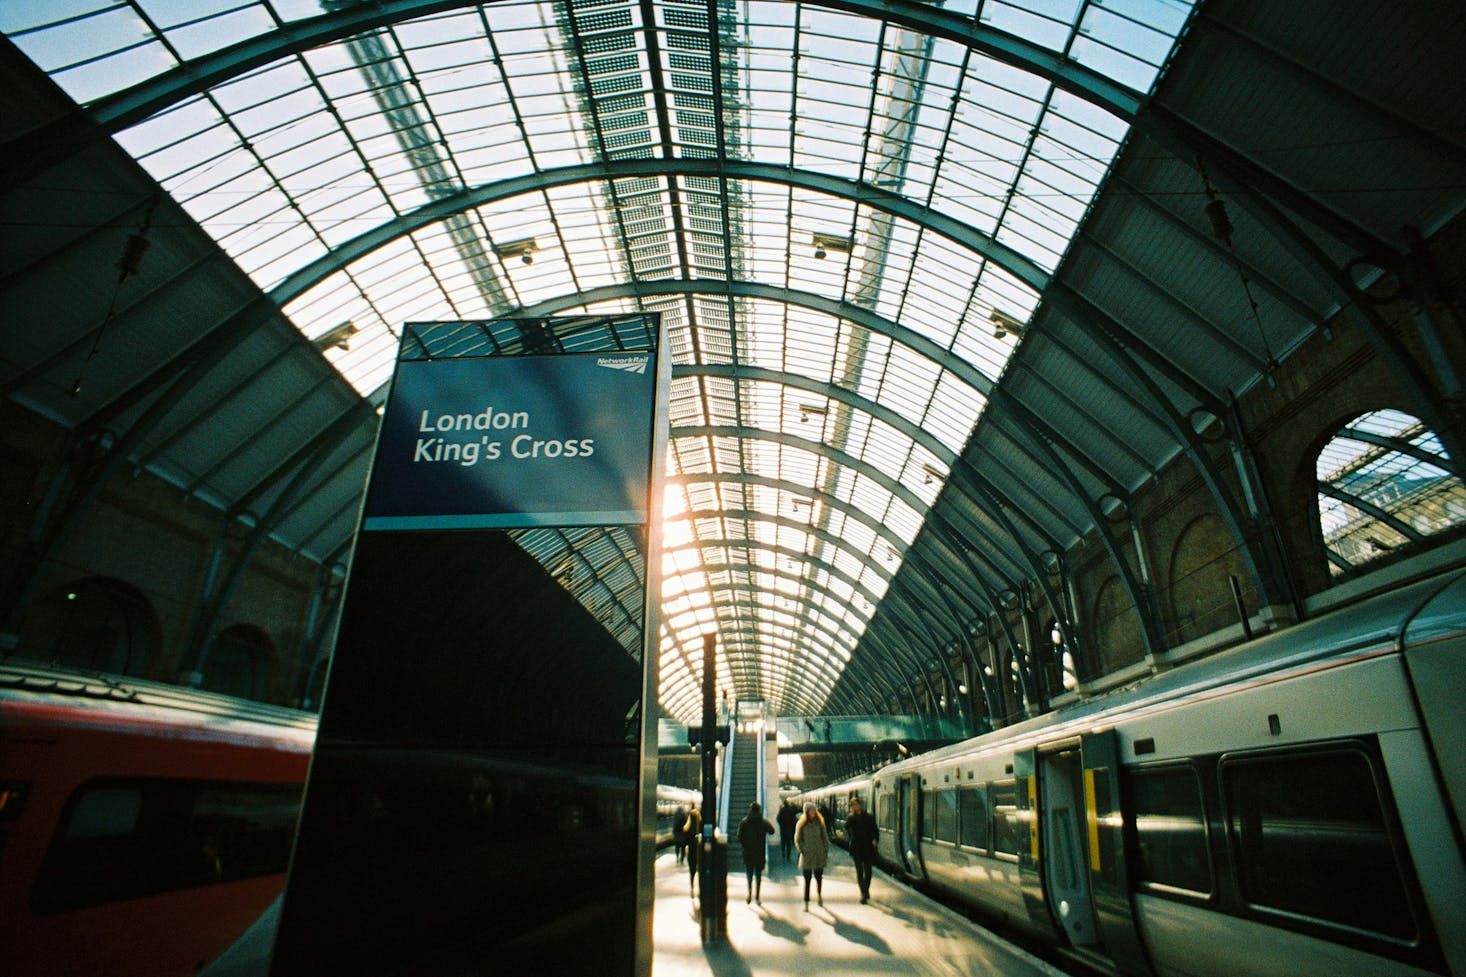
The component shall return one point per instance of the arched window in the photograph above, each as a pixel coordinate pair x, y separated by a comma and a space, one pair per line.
1204, 561
1117, 641
240, 663
1063, 674
96, 624
1384, 489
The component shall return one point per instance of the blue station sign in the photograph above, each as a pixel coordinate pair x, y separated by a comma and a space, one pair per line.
515, 442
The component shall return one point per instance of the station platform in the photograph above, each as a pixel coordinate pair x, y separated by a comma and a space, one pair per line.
899, 932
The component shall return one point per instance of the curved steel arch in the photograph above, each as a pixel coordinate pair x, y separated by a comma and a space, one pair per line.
1016, 487
890, 484
784, 521
752, 588
907, 12
197, 75
752, 639
887, 482
903, 596
819, 564
818, 620
952, 537
744, 646
919, 434
794, 488
879, 324
825, 670
860, 515
341, 255
729, 371
778, 551
964, 370
943, 358
893, 681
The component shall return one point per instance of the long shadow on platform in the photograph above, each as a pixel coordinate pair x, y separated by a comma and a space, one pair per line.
782, 928
856, 933
725, 960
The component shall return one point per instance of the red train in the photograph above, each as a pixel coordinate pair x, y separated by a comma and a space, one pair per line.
142, 827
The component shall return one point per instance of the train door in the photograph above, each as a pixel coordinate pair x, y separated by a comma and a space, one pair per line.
1025, 777
1073, 869
908, 826
1109, 877
1065, 858
1053, 865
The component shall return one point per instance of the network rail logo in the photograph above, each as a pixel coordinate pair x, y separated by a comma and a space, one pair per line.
631, 364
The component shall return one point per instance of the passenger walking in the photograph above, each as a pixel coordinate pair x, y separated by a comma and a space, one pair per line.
862, 833
679, 833
692, 829
753, 830
813, 841
788, 814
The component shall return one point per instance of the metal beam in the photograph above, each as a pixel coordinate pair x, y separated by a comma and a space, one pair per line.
1372, 510
198, 75
1257, 556
742, 432
1142, 596
343, 254
793, 488
1401, 446
739, 372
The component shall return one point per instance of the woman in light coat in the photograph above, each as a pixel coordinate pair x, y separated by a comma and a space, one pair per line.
813, 842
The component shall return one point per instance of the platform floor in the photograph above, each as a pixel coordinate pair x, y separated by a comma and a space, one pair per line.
898, 932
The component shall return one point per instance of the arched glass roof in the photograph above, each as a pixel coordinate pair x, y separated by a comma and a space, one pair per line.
847, 213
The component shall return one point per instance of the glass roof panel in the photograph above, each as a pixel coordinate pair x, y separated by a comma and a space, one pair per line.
861, 394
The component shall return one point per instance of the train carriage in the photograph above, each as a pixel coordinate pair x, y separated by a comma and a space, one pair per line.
142, 827
1290, 807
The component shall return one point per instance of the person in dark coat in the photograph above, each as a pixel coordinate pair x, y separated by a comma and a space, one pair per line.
679, 833
861, 832
693, 831
788, 815
752, 831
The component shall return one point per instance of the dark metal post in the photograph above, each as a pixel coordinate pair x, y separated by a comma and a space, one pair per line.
712, 870
709, 742
1241, 607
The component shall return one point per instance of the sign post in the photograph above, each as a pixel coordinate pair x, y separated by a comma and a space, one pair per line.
480, 791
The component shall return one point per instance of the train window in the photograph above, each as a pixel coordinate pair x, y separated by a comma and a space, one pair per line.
945, 815
972, 806
124, 839
886, 811
1009, 833
1170, 829
1311, 839
105, 812
927, 824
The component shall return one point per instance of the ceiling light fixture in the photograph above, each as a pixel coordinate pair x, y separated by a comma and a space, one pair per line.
1003, 324
825, 243
523, 249
338, 337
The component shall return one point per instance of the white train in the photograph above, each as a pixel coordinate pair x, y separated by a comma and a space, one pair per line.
1293, 807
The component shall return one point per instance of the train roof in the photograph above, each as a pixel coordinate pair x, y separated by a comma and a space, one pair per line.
121, 700
1420, 610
